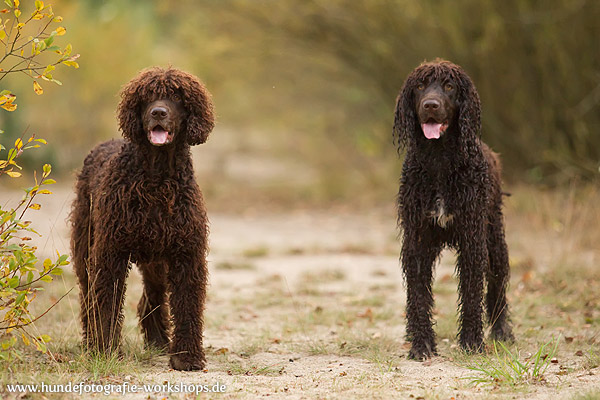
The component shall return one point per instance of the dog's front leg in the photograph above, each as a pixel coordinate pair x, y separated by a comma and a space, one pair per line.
473, 261
187, 279
108, 271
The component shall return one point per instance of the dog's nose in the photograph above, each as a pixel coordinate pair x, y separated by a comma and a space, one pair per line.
431, 104
159, 112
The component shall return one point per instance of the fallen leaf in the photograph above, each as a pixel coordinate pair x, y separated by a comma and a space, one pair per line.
368, 313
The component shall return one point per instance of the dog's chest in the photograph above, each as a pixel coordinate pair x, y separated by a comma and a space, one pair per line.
439, 213
156, 211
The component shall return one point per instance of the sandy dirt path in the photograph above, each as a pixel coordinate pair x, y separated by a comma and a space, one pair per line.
307, 305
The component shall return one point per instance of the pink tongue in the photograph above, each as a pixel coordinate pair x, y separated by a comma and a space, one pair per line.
158, 137
431, 131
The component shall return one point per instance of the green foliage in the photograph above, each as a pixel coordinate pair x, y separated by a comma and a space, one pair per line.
14, 35
539, 85
20, 274
315, 81
504, 368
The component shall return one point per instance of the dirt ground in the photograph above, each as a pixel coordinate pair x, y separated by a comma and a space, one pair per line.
310, 305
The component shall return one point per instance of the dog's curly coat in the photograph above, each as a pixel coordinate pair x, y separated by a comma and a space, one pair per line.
138, 202
450, 195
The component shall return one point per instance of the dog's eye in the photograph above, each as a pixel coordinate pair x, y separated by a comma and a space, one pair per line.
448, 87
176, 98
421, 86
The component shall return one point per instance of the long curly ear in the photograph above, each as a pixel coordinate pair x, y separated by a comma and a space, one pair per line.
469, 113
129, 110
405, 120
201, 119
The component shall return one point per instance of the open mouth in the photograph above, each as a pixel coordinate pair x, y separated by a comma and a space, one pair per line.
433, 129
159, 136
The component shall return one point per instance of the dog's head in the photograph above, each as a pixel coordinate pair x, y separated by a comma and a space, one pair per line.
165, 106
437, 99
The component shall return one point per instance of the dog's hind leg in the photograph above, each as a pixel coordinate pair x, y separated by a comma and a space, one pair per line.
498, 275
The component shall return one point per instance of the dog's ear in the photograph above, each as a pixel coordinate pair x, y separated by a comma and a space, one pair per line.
129, 110
405, 119
198, 102
469, 112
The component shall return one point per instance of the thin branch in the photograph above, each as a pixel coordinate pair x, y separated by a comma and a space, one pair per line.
39, 316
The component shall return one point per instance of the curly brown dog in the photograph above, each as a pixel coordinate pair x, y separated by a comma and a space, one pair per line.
450, 195
138, 202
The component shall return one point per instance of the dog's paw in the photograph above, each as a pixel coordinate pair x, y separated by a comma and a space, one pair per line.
187, 362
421, 352
502, 333
472, 346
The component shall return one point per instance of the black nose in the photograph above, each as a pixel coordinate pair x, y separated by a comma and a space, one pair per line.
159, 112
431, 104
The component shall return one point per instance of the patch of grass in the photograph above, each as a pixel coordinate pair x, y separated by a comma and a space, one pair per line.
358, 248
592, 360
505, 368
256, 252
323, 276
239, 367
318, 347
386, 287
593, 394
329, 316
377, 348
69, 363
235, 266
370, 301
252, 345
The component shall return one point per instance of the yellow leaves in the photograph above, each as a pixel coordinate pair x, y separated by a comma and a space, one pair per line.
35, 206
39, 5
13, 174
37, 15
44, 338
37, 88
18, 144
17, 3
17, 13
7, 101
71, 64
9, 106
60, 31
2, 35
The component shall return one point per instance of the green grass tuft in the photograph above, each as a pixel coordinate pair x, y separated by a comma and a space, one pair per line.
505, 368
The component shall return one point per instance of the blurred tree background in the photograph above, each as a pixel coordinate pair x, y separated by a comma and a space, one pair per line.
313, 82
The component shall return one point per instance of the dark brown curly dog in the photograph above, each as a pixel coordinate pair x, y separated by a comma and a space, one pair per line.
450, 195
138, 202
